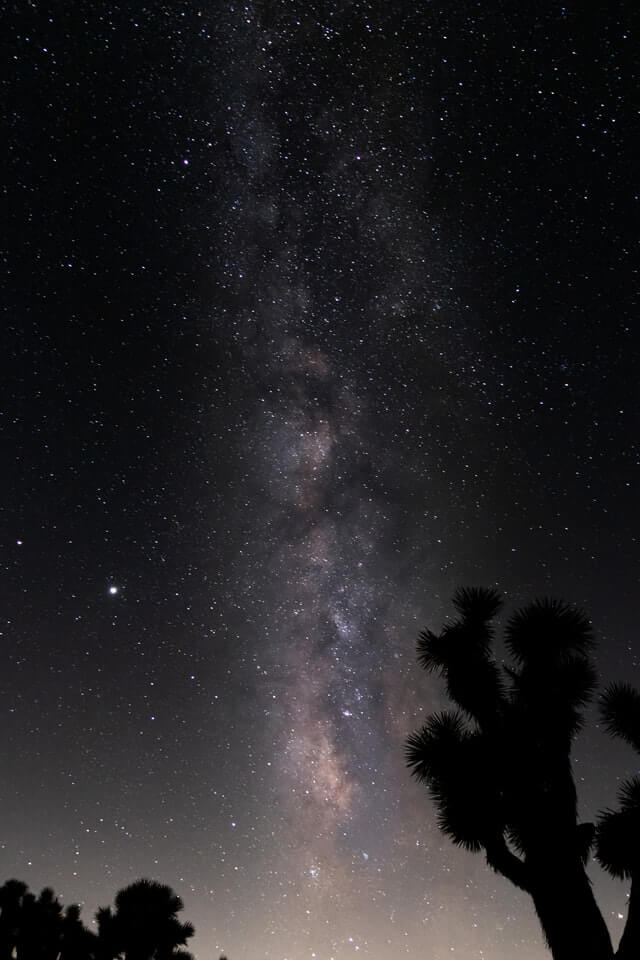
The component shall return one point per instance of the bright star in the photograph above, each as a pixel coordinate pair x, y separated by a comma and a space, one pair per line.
113, 590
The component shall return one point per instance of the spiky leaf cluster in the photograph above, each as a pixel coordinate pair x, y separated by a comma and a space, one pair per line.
618, 832
145, 922
453, 760
548, 631
461, 654
620, 711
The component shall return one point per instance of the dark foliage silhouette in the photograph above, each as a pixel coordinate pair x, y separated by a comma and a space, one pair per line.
12, 895
35, 928
143, 926
76, 942
498, 766
41, 927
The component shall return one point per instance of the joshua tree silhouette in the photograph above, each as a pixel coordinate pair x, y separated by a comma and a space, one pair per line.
499, 768
144, 925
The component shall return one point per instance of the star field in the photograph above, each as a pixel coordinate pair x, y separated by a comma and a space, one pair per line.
315, 312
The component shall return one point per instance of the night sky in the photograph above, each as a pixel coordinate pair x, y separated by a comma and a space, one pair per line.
315, 312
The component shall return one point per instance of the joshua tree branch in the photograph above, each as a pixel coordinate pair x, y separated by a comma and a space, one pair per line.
503, 861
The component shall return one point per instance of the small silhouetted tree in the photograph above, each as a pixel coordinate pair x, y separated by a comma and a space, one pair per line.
144, 924
76, 942
35, 928
499, 768
40, 927
12, 894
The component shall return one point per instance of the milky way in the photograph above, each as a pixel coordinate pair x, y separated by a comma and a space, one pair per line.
318, 312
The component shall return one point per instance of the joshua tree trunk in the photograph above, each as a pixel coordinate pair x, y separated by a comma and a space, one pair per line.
629, 947
569, 915
511, 732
